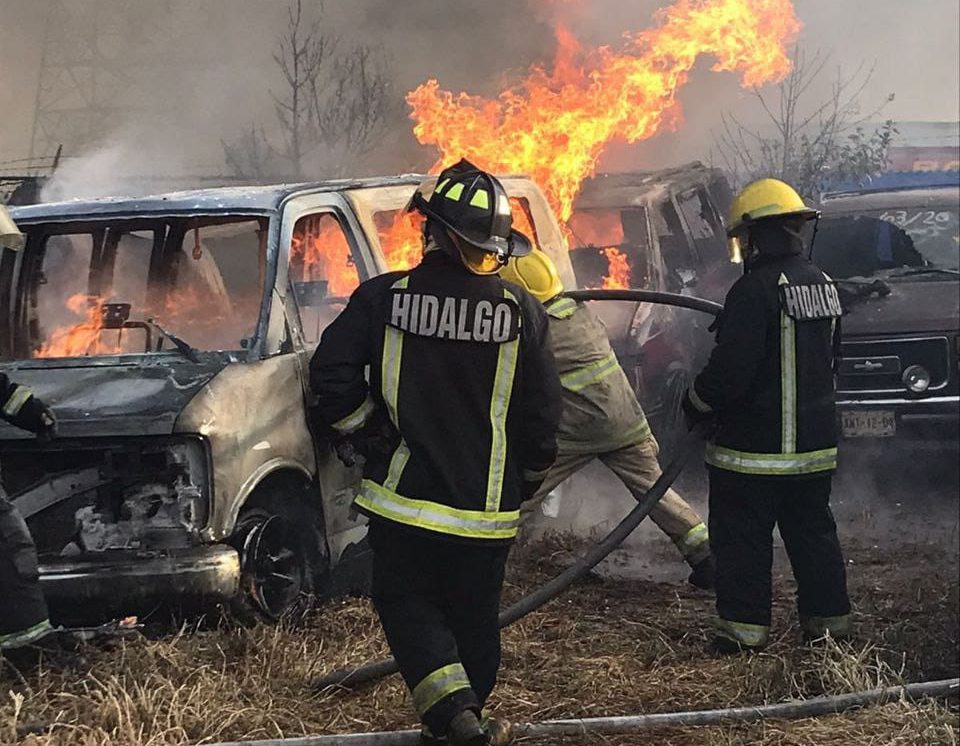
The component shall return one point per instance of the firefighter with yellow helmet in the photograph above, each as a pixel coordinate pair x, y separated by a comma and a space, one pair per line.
769, 387
601, 417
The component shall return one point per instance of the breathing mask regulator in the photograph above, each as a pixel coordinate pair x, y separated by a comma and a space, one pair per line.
469, 217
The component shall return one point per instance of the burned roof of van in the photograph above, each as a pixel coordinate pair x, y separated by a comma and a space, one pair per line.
237, 199
630, 187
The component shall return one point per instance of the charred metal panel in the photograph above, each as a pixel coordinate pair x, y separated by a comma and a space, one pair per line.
111, 400
252, 415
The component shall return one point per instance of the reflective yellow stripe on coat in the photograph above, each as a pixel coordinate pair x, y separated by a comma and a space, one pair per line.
744, 462
499, 405
470, 524
19, 397
579, 379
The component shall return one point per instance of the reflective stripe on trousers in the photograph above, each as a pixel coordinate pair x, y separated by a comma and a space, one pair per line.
471, 524
819, 626
437, 685
744, 462
694, 539
747, 635
25, 636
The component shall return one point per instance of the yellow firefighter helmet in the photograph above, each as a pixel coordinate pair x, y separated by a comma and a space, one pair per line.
10, 235
535, 273
765, 198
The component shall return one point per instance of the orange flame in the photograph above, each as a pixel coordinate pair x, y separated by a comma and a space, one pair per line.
555, 124
400, 238
618, 276
84, 338
320, 246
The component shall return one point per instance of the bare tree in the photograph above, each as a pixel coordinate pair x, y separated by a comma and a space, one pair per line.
335, 106
809, 145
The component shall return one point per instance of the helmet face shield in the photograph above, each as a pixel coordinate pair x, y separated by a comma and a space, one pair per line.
735, 249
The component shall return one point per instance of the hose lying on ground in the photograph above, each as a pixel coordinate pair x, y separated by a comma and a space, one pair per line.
608, 726
379, 669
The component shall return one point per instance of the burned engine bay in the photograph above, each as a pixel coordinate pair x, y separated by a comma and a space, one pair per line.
135, 493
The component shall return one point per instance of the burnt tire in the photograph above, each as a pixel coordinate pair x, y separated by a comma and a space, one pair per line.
282, 554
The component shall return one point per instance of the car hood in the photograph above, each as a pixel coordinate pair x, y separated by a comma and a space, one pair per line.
912, 307
113, 400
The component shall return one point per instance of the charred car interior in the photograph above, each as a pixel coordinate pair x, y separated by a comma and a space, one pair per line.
657, 230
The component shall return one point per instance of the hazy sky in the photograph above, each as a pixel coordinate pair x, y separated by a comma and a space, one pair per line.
214, 78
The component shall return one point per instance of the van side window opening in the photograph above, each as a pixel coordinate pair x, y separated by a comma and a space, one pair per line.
104, 288
523, 219
595, 234
400, 234
323, 272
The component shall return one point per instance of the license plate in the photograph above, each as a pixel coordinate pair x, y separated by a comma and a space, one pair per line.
869, 424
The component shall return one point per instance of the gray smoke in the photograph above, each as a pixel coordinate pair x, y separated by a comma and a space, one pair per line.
196, 73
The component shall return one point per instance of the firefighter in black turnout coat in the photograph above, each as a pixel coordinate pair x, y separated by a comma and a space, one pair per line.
23, 611
458, 427
769, 384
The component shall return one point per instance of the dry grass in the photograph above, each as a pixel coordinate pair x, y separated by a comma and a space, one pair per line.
608, 647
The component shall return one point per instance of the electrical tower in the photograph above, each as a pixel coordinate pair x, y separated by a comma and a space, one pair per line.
92, 54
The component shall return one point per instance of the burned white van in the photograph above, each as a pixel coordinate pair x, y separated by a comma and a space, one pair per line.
171, 336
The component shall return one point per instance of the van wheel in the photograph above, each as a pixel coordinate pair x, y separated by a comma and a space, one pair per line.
280, 556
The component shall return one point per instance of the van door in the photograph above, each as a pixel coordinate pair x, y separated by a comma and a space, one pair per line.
323, 257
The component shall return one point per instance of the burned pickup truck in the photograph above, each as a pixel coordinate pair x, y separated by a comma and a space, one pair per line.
895, 253
655, 230
171, 337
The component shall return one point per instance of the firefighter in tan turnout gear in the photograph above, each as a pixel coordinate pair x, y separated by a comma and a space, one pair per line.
458, 426
23, 611
769, 385
601, 417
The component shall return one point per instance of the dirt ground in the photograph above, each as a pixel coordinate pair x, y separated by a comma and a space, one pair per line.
626, 641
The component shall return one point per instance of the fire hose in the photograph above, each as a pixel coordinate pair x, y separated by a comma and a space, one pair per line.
378, 669
610, 726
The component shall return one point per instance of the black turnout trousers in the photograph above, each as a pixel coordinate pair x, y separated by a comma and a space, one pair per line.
438, 602
22, 606
743, 512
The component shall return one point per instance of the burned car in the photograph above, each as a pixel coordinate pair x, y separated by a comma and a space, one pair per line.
171, 336
895, 254
656, 230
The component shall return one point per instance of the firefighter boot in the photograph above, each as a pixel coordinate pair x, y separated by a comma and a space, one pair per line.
465, 730
704, 574
499, 731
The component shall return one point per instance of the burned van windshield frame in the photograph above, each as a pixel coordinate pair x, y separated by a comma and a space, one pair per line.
128, 286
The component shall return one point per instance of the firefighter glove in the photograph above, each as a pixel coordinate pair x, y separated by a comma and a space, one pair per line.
692, 414
36, 417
